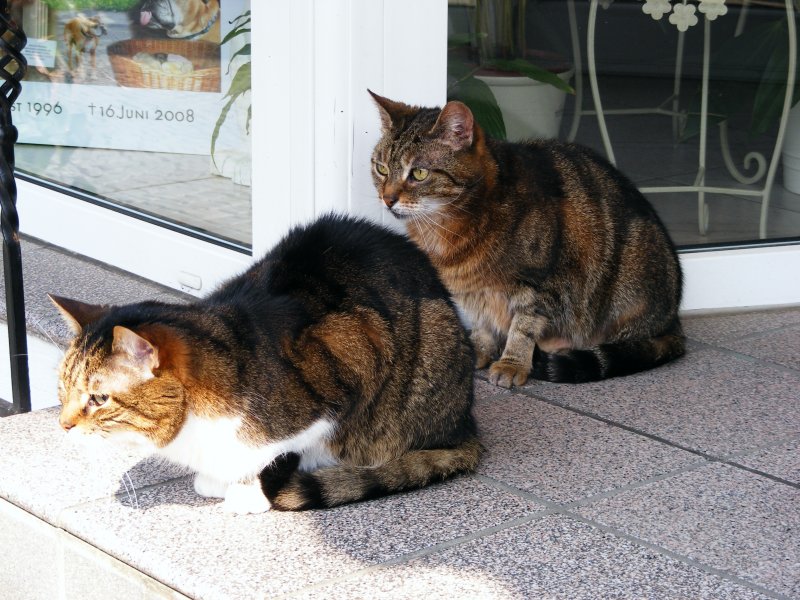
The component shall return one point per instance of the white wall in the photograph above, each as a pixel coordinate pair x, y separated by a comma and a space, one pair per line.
318, 60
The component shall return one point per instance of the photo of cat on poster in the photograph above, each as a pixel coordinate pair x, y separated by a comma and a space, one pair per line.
156, 44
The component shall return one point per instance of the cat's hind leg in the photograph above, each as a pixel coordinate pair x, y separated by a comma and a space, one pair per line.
245, 499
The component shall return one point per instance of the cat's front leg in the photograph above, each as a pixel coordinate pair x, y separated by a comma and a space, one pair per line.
485, 344
208, 487
516, 362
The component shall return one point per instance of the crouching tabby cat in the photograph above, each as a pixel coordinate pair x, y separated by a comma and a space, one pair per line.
334, 370
562, 265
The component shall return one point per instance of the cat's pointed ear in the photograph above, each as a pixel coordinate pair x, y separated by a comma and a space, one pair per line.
76, 314
140, 353
390, 110
455, 126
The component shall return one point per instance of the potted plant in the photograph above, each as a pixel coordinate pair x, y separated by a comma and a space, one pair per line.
513, 91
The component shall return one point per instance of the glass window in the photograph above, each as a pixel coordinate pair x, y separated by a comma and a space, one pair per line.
142, 106
709, 170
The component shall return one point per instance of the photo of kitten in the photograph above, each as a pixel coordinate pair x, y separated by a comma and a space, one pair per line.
563, 267
333, 370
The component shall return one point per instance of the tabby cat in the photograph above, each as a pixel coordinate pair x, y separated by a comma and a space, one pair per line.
563, 267
334, 370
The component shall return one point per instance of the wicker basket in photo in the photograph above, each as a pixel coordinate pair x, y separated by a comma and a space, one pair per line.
204, 57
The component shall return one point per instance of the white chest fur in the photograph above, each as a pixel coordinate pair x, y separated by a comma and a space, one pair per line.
214, 448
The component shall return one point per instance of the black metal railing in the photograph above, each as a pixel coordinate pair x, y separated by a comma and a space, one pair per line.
12, 70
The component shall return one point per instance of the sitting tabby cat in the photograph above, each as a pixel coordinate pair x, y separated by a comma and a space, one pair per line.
556, 257
333, 370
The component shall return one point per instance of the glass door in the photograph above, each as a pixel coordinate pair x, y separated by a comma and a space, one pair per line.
686, 101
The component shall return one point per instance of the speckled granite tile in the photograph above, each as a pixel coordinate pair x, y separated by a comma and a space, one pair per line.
780, 347
561, 456
728, 326
44, 473
49, 270
486, 391
724, 517
781, 461
190, 544
708, 400
554, 557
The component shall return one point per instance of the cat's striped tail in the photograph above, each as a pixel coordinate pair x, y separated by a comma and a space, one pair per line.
608, 360
286, 488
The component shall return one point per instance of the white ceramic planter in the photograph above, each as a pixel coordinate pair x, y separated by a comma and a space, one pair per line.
531, 109
791, 152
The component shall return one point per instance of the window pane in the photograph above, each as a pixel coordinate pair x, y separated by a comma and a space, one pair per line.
654, 127
124, 101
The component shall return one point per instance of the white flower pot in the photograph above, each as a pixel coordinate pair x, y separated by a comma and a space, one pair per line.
791, 152
531, 109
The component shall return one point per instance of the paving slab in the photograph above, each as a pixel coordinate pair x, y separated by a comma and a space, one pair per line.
43, 472
192, 545
552, 557
710, 401
561, 456
724, 517
781, 460
781, 347
720, 327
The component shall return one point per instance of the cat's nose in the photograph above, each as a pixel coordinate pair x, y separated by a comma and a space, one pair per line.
66, 424
390, 200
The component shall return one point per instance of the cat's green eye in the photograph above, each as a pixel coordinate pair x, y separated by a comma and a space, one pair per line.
381, 169
419, 174
96, 400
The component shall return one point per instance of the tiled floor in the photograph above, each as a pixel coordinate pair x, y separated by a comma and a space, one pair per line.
681, 482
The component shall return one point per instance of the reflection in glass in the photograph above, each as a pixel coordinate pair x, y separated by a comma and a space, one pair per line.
637, 63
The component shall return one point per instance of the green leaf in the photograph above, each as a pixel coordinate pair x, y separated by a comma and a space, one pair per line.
241, 81
243, 51
524, 67
218, 125
239, 85
242, 29
480, 100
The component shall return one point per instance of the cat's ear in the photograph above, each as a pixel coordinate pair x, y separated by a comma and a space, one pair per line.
76, 314
390, 110
455, 126
137, 351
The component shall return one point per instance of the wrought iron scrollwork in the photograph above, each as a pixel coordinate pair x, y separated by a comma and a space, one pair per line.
12, 69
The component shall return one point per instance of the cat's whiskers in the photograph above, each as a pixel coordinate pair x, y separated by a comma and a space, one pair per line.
37, 324
418, 223
434, 222
459, 196
135, 502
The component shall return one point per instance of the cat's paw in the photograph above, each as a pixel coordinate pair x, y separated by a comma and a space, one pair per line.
482, 360
208, 487
245, 499
507, 374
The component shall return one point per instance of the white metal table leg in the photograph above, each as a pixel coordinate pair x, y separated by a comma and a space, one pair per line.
592, 68
577, 61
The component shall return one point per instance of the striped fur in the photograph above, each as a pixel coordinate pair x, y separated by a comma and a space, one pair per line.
337, 364
563, 267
